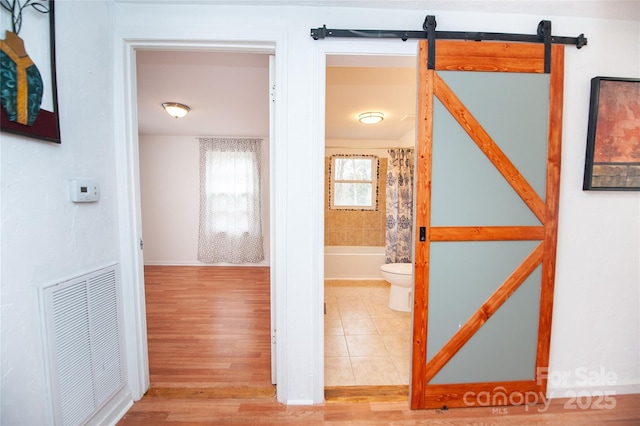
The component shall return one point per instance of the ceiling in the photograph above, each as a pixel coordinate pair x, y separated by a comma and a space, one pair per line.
229, 94
358, 84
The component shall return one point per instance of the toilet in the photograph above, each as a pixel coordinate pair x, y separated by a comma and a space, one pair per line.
400, 276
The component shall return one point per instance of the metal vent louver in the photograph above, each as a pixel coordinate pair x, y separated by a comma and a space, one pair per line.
84, 343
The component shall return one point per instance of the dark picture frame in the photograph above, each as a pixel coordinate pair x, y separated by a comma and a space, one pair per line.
613, 137
47, 124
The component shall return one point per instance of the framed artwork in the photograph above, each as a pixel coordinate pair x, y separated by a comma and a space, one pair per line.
29, 98
613, 138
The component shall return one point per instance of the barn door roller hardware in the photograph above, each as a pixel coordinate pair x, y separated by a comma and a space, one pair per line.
429, 32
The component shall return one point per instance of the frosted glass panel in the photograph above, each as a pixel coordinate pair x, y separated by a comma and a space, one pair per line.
463, 275
467, 190
513, 109
504, 348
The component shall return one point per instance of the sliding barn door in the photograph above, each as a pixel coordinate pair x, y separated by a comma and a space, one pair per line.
487, 182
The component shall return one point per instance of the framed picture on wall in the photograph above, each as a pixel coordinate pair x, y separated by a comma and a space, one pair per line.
29, 97
613, 138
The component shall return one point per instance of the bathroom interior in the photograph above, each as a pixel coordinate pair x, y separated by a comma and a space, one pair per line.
368, 273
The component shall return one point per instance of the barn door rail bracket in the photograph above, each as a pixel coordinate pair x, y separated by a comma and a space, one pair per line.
324, 32
543, 35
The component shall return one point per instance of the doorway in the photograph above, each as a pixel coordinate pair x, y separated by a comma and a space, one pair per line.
168, 170
367, 344
547, 216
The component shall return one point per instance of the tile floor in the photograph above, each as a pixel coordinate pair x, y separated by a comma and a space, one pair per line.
366, 342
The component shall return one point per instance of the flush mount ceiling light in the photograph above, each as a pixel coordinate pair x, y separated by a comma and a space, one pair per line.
370, 117
175, 109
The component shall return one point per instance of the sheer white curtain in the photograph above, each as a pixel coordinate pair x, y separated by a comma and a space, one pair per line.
230, 224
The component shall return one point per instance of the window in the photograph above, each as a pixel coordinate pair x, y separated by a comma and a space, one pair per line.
231, 179
354, 182
230, 214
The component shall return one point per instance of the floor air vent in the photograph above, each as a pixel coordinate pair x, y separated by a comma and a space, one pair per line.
84, 343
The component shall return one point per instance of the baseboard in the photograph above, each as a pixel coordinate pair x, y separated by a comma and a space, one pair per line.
114, 409
577, 392
353, 277
300, 402
168, 263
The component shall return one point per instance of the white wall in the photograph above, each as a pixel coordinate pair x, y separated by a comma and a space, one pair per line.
45, 238
170, 198
596, 323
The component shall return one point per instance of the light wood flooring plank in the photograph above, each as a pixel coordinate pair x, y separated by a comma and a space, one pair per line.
208, 327
267, 411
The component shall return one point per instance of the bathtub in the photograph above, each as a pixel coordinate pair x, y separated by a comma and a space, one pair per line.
353, 262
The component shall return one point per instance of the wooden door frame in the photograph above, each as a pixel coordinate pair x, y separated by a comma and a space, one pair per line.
487, 56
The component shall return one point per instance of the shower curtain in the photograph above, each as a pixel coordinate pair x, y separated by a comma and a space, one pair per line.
399, 206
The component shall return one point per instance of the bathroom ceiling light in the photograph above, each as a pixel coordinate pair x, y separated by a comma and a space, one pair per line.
371, 117
175, 109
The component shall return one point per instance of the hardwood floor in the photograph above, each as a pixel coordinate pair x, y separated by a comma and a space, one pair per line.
209, 362
208, 327
266, 411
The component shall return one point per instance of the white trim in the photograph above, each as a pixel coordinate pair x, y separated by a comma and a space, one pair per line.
125, 129
127, 171
188, 263
317, 220
114, 410
278, 216
272, 278
594, 391
300, 402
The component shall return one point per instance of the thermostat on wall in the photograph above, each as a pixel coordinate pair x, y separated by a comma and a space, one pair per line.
84, 190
